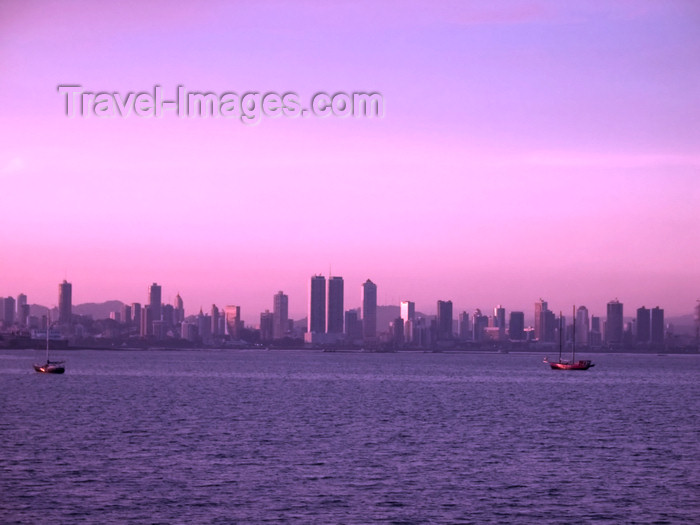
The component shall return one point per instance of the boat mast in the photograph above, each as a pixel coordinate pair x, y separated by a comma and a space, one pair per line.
48, 325
560, 335
573, 338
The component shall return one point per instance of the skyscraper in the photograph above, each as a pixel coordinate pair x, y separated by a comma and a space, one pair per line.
65, 302
540, 307
136, 316
266, 326
444, 320
657, 326
643, 325
9, 317
180, 309
22, 315
582, 326
408, 311
336, 307
614, 324
317, 305
464, 328
214, 320
280, 314
516, 326
499, 316
233, 321
369, 310
154, 301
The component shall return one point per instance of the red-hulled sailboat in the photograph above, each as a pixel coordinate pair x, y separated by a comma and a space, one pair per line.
562, 364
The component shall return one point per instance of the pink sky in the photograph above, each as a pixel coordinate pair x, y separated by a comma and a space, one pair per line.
531, 149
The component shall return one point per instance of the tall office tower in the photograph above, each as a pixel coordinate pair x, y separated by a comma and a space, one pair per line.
21, 303
369, 310
280, 314
136, 316
336, 307
657, 326
444, 320
582, 326
168, 316
179, 309
540, 307
499, 317
203, 327
614, 324
214, 320
516, 326
408, 311
317, 305
548, 326
464, 329
234, 326
479, 324
266, 326
396, 329
9, 317
126, 314
65, 302
643, 325
154, 301
146, 327
353, 326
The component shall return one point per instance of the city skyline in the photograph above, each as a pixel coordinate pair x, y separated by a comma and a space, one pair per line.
531, 150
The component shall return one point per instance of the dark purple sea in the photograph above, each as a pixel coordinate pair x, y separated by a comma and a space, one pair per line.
222, 436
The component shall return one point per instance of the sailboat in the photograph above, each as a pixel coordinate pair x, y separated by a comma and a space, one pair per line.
50, 367
562, 364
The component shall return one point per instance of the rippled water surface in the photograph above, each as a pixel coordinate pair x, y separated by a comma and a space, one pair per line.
292, 436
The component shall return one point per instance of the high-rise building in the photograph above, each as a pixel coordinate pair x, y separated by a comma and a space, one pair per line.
614, 325
214, 320
516, 326
266, 326
408, 311
657, 326
146, 327
336, 307
369, 310
136, 316
444, 320
21, 303
154, 301
396, 329
479, 324
464, 328
180, 309
548, 326
643, 325
540, 307
499, 319
317, 305
280, 314
582, 326
9, 317
234, 326
126, 314
353, 326
65, 302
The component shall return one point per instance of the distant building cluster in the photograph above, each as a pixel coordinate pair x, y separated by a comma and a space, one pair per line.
328, 324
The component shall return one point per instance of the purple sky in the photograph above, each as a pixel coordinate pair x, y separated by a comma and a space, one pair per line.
529, 149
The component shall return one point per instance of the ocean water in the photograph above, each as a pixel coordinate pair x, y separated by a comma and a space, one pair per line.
218, 436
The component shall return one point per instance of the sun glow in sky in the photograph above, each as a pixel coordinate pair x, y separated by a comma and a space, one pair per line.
528, 149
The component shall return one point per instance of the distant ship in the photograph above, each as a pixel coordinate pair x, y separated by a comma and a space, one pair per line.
50, 367
562, 364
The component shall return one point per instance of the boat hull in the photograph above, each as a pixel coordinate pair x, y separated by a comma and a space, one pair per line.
577, 365
50, 368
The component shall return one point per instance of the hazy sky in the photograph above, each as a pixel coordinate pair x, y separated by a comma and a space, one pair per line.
529, 149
